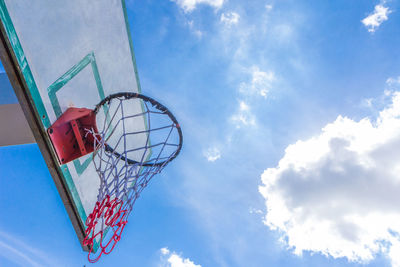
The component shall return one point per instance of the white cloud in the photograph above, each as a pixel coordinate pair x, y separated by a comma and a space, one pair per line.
338, 193
164, 251
230, 18
367, 102
374, 20
172, 259
212, 154
393, 81
268, 7
190, 5
260, 82
243, 116
255, 211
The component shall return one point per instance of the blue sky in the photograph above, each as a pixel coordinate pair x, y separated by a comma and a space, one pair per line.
290, 112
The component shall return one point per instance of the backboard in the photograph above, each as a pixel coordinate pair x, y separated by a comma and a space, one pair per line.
66, 53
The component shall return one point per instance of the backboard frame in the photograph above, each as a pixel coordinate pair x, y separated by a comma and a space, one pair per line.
12, 63
17, 80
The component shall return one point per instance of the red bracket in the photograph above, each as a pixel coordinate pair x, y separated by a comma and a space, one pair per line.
69, 134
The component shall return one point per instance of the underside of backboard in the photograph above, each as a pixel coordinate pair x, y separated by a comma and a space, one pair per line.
81, 53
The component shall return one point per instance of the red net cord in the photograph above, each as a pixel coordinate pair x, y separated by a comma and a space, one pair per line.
114, 218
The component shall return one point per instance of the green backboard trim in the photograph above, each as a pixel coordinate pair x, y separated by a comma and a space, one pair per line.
66, 77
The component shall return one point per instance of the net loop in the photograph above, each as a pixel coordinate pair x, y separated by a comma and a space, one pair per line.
114, 217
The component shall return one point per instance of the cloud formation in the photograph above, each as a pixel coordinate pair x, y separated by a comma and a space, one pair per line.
17, 251
374, 20
212, 154
393, 81
338, 193
243, 116
260, 82
172, 259
190, 5
230, 18
193, 29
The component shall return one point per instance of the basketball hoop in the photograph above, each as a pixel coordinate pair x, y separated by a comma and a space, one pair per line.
129, 146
